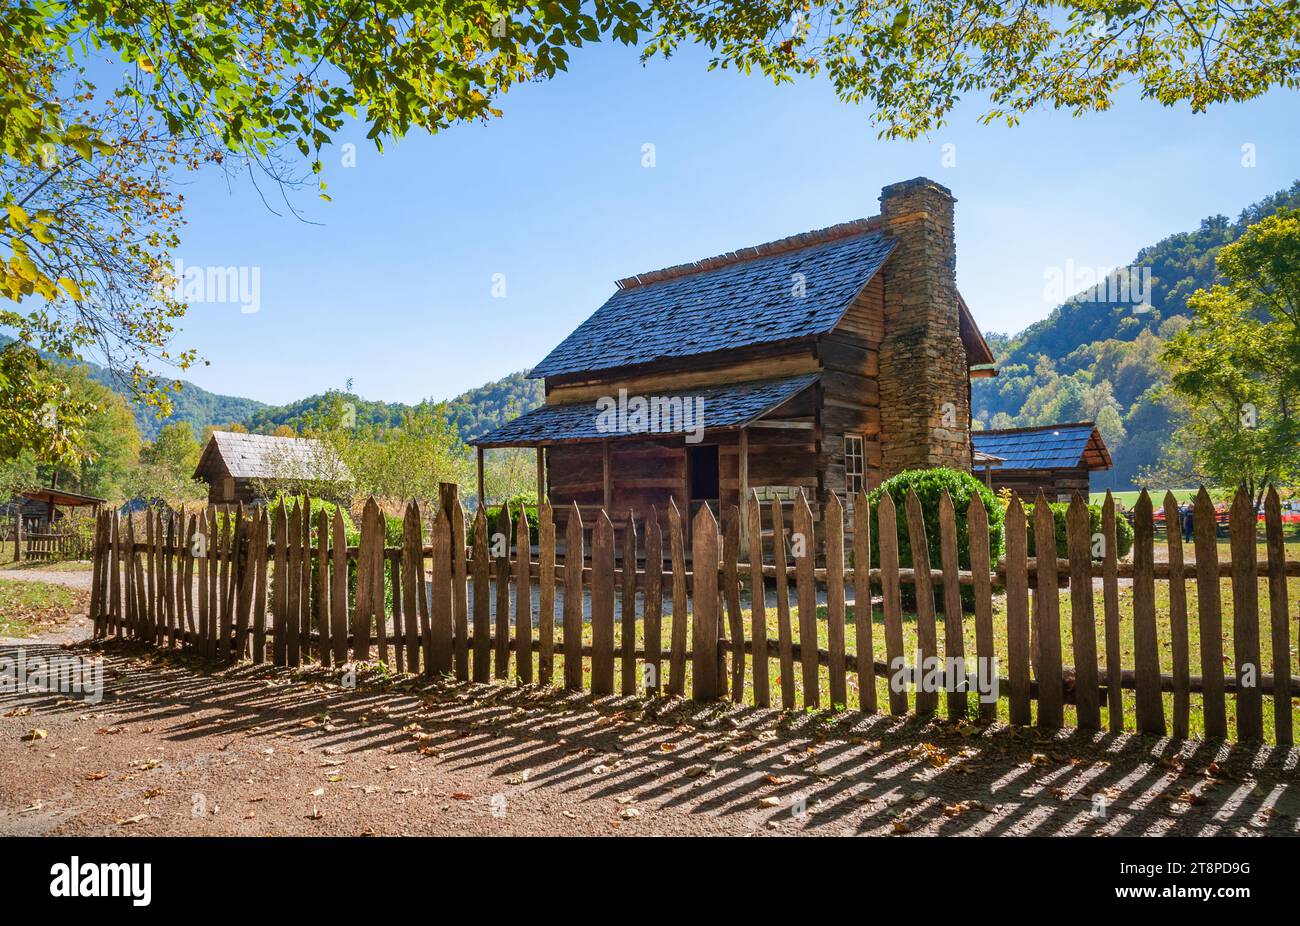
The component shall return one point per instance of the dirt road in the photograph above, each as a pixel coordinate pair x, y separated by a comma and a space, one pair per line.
176, 748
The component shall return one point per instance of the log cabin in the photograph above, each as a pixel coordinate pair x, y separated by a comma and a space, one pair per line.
823, 363
1057, 458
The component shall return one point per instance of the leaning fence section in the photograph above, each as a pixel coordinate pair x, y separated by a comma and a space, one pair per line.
769, 606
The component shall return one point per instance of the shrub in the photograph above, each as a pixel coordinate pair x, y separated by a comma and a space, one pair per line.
292, 502
1123, 530
929, 485
528, 501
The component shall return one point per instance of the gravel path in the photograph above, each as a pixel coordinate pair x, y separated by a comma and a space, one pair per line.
175, 748
79, 580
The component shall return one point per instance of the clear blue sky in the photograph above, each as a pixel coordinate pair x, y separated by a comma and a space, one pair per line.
393, 289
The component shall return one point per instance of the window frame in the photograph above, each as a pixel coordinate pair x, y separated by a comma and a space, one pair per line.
850, 438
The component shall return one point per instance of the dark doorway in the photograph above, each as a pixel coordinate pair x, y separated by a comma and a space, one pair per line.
702, 471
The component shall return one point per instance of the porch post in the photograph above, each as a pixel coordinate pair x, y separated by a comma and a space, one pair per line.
744, 488
541, 475
482, 502
606, 478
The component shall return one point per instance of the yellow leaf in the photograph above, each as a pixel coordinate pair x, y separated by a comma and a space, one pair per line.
71, 286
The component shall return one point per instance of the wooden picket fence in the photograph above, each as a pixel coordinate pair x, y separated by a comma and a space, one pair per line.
56, 545
283, 585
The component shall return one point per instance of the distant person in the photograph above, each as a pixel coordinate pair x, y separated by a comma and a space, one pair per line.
1189, 523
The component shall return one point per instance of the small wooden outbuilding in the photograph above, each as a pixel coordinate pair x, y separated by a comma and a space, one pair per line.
1057, 458
236, 466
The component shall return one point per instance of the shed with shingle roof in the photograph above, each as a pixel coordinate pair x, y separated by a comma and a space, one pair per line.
237, 466
1059, 459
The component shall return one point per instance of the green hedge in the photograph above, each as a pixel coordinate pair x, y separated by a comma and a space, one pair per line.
528, 501
1123, 530
929, 485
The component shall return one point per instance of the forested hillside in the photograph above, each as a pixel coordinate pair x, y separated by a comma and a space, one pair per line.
192, 405
473, 413
1097, 359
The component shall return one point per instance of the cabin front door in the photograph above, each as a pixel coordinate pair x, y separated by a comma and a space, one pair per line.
702, 480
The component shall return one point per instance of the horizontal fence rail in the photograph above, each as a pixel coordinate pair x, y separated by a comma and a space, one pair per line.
655, 610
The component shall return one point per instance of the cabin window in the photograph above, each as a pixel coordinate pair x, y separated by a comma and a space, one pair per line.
854, 470
228, 488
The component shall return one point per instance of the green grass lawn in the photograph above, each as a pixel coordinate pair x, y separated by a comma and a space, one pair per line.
29, 607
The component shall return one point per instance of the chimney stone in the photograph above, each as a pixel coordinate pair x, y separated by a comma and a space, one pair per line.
924, 379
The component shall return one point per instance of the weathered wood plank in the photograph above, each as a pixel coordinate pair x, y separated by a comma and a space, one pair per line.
280, 589
482, 629
260, 549
394, 566
249, 557
1279, 617
1110, 608
523, 603
1018, 614
652, 596
1209, 609
803, 547
305, 603
627, 615
115, 570
1083, 625
459, 588
784, 632
977, 523
412, 629
757, 600
892, 593
441, 606
1146, 643
954, 645
1245, 618
677, 653
1047, 614
339, 590
602, 606
169, 578
151, 584
704, 606
293, 587
361, 610
864, 645
501, 573
731, 598
573, 562
1178, 640
325, 648
545, 594
112, 580
833, 517
926, 632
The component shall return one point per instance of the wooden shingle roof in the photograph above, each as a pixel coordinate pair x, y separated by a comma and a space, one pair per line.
725, 406
262, 456
1052, 446
775, 292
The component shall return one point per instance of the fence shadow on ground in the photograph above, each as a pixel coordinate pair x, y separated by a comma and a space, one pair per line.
854, 773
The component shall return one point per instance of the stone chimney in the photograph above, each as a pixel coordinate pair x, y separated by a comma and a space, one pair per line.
924, 380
